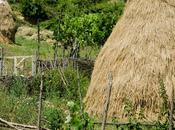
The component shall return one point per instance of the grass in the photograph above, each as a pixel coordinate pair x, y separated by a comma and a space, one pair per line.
25, 46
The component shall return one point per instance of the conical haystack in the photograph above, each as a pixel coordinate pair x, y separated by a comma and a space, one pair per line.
140, 53
7, 24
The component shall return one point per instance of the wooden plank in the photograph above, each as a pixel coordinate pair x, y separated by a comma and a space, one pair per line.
22, 126
18, 57
20, 61
34, 65
9, 124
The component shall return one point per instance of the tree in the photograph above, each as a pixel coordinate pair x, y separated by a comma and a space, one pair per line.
88, 27
33, 10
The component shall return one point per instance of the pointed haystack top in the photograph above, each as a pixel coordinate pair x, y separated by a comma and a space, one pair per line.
140, 52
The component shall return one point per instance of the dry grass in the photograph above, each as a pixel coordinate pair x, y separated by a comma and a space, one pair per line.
140, 48
7, 24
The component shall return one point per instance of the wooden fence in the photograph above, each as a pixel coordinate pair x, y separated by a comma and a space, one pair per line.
12, 65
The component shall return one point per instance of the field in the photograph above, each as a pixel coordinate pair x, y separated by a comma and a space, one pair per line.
81, 65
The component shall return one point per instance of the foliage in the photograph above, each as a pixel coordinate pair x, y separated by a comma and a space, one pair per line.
164, 97
17, 109
55, 118
62, 113
129, 110
76, 119
89, 26
17, 86
54, 85
34, 10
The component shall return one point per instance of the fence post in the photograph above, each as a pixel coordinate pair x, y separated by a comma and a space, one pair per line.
106, 107
40, 103
79, 90
39, 40
34, 64
171, 108
55, 54
15, 71
1, 61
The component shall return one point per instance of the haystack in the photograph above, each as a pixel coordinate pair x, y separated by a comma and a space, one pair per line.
7, 24
140, 53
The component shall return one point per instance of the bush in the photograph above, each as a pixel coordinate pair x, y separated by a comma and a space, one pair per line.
55, 118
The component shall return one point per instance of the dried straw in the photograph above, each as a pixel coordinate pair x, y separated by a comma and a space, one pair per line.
7, 24
140, 49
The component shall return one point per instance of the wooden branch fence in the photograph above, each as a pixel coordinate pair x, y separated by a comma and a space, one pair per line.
17, 64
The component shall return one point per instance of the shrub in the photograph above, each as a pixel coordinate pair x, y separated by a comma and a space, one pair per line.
55, 118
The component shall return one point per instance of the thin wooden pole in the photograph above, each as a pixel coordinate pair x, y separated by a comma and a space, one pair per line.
79, 89
38, 47
1, 61
15, 71
55, 54
40, 103
171, 109
34, 65
106, 107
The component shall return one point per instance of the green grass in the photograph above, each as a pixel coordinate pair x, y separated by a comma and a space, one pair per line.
25, 46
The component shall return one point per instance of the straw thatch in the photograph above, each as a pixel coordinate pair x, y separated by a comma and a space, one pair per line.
140, 52
7, 24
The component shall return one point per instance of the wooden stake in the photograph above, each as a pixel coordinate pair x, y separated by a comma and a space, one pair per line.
38, 47
55, 54
15, 71
34, 65
40, 103
1, 62
79, 89
106, 107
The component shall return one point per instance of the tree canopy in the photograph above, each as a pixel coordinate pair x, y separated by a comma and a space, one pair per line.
86, 22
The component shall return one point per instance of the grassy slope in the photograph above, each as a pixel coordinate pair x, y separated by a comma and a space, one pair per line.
28, 47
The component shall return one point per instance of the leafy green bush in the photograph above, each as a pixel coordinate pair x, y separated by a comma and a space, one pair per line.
89, 26
76, 119
55, 118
